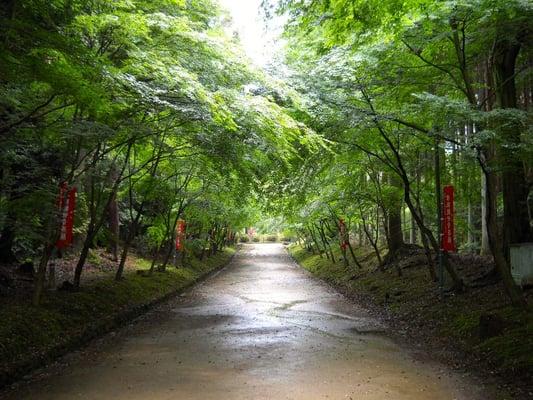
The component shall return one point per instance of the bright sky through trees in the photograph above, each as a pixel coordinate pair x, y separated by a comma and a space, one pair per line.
259, 38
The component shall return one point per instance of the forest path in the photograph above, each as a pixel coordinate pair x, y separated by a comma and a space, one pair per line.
261, 329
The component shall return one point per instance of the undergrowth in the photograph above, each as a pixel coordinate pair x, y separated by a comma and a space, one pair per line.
414, 299
30, 333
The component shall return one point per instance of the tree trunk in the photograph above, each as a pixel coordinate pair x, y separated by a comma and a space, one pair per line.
172, 247
345, 257
400, 169
394, 220
114, 224
441, 255
95, 223
355, 260
313, 236
470, 225
471, 237
500, 261
7, 238
516, 225
428, 239
405, 227
325, 241
485, 245
41, 274
83, 257
371, 240
127, 243
412, 233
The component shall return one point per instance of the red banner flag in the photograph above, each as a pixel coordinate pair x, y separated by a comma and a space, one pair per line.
180, 234
448, 230
342, 234
67, 207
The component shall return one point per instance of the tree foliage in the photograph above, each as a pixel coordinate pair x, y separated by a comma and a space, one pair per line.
149, 109
413, 95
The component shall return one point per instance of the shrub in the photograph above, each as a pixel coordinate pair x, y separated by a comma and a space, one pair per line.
272, 238
195, 246
244, 239
93, 258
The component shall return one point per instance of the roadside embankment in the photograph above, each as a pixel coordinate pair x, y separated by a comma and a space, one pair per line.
32, 336
477, 330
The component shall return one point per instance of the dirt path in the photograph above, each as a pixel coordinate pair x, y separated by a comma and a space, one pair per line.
261, 329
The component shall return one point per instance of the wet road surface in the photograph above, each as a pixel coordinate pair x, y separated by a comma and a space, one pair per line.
261, 329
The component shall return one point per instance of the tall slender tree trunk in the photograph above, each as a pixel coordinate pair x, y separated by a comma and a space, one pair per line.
313, 236
412, 232
40, 277
127, 243
171, 248
373, 241
113, 217
400, 169
355, 260
41, 274
83, 256
114, 225
470, 224
96, 222
327, 247
394, 219
516, 226
7, 239
500, 261
485, 244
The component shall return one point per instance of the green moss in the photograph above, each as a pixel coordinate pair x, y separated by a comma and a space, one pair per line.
463, 325
320, 266
143, 263
514, 347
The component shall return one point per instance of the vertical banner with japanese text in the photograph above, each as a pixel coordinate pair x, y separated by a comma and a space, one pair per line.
180, 234
342, 234
448, 230
66, 205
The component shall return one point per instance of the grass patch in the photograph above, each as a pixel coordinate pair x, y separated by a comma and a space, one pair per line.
31, 335
320, 265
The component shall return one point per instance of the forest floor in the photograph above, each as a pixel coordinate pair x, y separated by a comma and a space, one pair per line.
32, 336
499, 348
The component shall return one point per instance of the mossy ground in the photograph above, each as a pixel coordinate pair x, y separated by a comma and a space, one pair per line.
415, 305
31, 335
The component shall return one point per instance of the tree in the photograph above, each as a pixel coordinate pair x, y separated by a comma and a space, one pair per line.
378, 75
